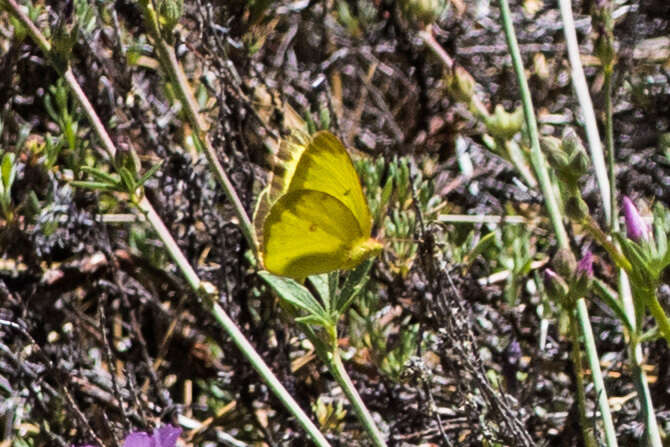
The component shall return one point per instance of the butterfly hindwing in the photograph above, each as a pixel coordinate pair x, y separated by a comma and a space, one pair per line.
308, 232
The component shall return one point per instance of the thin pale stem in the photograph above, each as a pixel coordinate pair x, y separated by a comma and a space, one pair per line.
584, 98
171, 246
652, 432
609, 144
182, 86
336, 368
577, 362
428, 38
608, 196
537, 159
594, 364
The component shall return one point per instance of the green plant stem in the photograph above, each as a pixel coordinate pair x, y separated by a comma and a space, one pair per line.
609, 192
145, 206
587, 433
599, 235
336, 368
584, 98
609, 144
594, 364
476, 106
537, 159
181, 84
659, 315
479, 111
652, 432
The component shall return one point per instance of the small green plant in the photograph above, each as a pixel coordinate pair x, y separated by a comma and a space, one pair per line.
129, 179
8, 170
330, 416
62, 110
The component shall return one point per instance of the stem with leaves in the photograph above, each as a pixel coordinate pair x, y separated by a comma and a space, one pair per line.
187, 270
608, 194
537, 160
177, 78
318, 320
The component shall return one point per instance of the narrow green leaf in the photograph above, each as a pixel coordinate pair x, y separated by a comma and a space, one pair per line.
294, 293
48, 104
8, 171
94, 185
611, 298
356, 280
128, 179
483, 245
100, 175
322, 286
313, 320
147, 175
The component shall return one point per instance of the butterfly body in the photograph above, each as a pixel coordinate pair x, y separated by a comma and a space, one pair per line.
314, 218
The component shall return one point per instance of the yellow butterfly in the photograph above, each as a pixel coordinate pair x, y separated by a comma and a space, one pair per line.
313, 217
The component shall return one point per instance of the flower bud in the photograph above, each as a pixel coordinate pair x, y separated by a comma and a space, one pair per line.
555, 285
574, 149
170, 12
503, 124
636, 229
585, 265
422, 12
553, 150
564, 262
583, 275
461, 85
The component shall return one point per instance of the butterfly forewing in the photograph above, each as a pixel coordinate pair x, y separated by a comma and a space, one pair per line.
326, 166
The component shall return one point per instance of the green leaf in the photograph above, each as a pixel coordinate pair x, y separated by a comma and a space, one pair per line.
147, 175
48, 104
610, 298
128, 179
386, 192
314, 320
294, 293
8, 171
356, 280
101, 176
94, 185
322, 286
483, 245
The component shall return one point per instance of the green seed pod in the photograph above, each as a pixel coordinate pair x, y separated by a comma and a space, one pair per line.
553, 150
170, 12
564, 262
556, 287
461, 85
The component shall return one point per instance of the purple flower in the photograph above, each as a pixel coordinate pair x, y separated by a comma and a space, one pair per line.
585, 265
636, 228
165, 436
